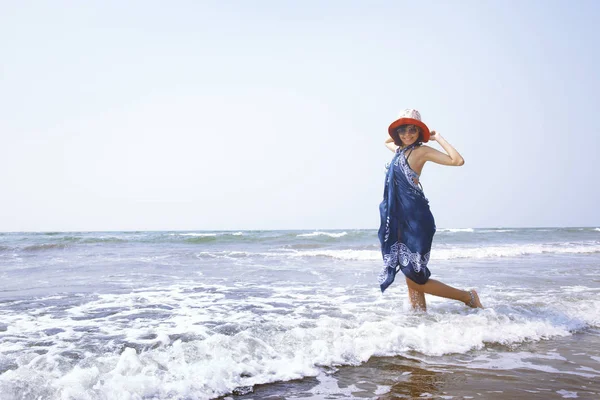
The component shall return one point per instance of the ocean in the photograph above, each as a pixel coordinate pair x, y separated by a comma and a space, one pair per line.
296, 314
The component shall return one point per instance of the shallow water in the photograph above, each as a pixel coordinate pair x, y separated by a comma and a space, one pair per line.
195, 315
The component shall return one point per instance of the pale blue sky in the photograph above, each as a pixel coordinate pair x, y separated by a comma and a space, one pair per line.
205, 115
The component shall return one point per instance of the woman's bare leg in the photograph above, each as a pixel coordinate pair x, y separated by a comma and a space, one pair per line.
438, 288
417, 299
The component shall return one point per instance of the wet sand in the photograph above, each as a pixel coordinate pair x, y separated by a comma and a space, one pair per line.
399, 378
575, 376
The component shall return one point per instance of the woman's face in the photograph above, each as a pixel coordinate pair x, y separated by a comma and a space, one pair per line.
408, 134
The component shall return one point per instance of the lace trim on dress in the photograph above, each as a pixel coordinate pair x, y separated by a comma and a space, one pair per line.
401, 254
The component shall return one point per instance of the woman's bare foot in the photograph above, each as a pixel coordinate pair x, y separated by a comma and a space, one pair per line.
474, 302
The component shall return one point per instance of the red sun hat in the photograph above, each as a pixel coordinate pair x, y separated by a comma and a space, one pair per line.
410, 116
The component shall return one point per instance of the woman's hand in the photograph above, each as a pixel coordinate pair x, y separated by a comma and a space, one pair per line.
389, 143
433, 135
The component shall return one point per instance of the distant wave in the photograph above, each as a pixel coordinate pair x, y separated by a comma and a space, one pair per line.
195, 234
46, 246
339, 254
101, 239
85, 239
208, 234
515, 251
228, 254
458, 252
597, 229
436, 254
454, 230
318, 233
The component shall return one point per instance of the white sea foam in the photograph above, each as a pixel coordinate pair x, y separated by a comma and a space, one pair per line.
367, 255
455, 230
381, 390
457, 252
597, 229
211, 343
195, 234
567, 394
436, 253
208, 234
525, 360
319, 233
515, 250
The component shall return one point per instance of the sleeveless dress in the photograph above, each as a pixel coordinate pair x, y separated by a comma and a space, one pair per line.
407, 225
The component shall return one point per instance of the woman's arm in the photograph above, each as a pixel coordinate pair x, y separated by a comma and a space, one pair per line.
389, 143
452, 158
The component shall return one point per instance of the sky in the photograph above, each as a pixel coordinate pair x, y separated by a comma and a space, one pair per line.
234, 115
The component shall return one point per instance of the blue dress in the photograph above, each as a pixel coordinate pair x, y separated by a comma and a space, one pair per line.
407, 225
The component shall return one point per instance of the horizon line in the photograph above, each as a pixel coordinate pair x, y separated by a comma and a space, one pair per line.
291, 229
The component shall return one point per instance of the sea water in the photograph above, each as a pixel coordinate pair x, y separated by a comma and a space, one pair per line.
198, 315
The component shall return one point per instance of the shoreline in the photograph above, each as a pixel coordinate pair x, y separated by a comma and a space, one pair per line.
386, 378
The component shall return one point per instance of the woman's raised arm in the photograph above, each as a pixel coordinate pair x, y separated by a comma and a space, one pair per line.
452, 158
389, 143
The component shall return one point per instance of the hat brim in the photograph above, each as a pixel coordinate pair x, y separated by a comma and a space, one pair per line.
408, 121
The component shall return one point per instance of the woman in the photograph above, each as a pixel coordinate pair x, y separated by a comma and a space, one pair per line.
407, 225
